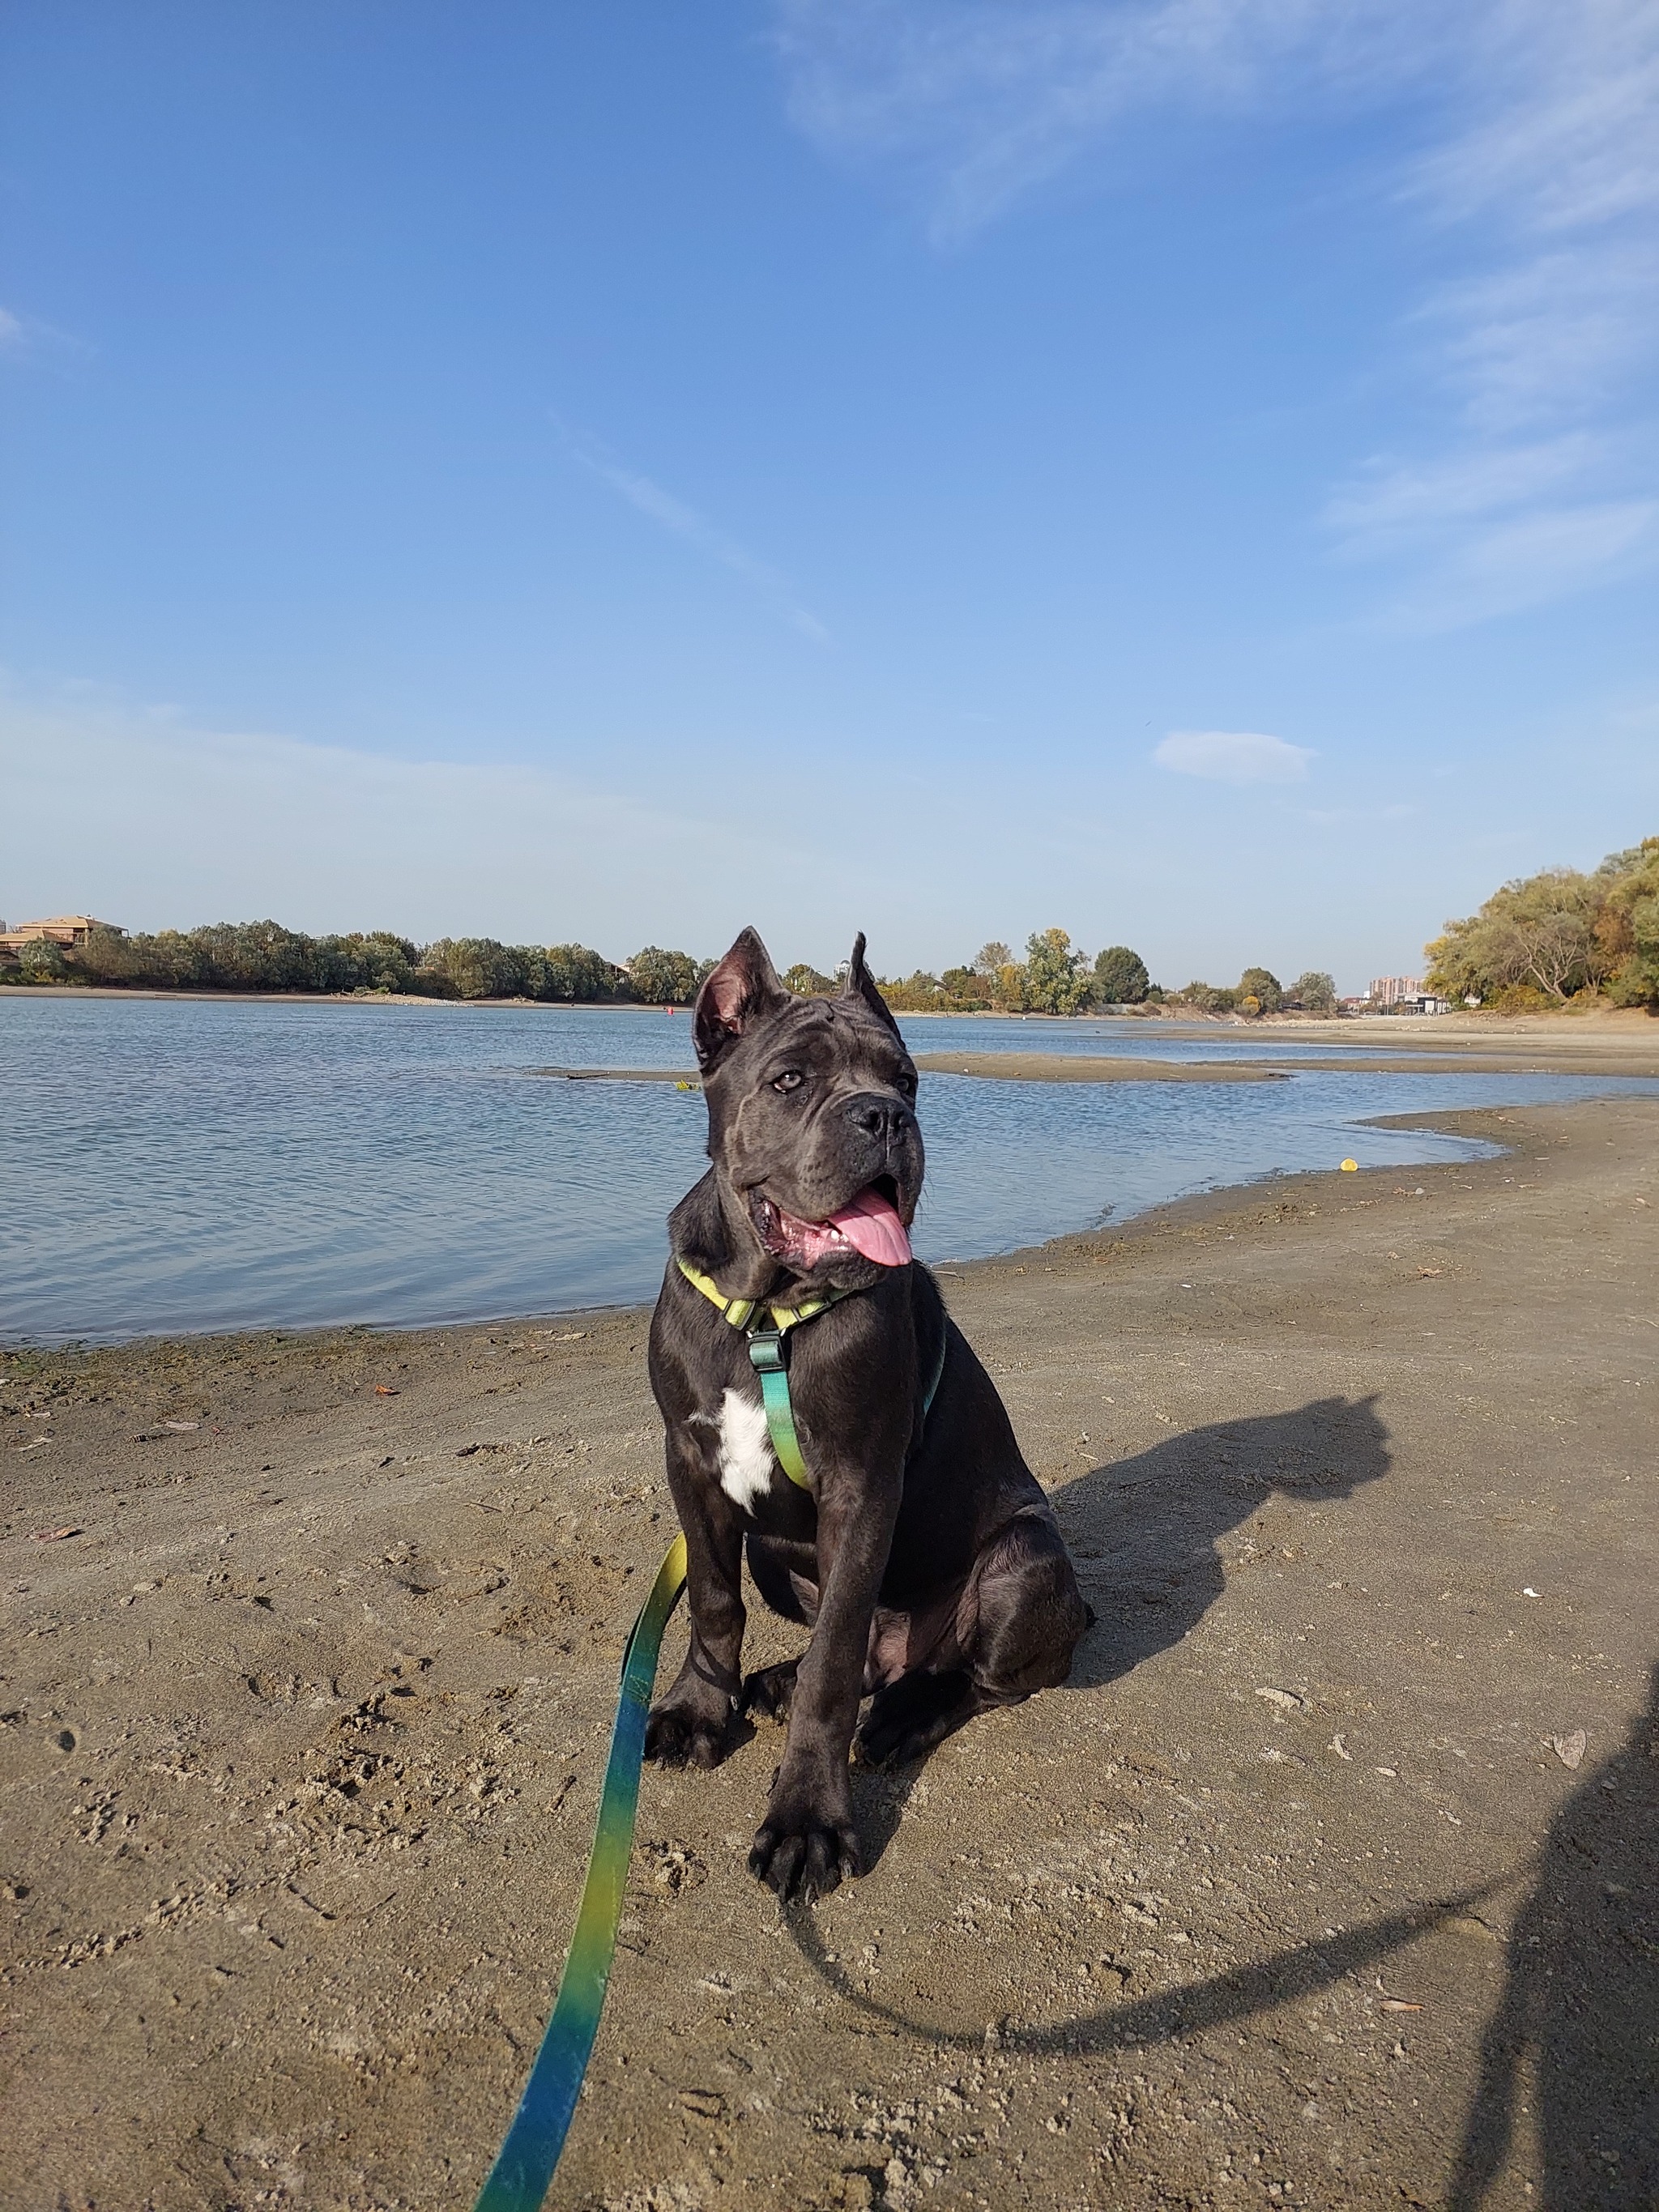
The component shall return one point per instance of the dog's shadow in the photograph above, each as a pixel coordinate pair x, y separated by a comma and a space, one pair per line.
1145, 1533
1145, 1536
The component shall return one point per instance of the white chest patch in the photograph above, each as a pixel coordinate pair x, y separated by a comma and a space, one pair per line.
745, 1450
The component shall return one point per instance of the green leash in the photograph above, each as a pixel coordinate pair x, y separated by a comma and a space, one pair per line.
523, 2165
519, 2180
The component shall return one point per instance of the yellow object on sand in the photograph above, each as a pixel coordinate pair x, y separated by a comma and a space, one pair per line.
1350, 1167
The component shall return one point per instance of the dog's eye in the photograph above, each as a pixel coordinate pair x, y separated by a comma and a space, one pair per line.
791, 1079
908, 1084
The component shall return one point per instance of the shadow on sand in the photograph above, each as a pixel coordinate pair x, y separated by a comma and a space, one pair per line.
1575, 2041
1145, 1532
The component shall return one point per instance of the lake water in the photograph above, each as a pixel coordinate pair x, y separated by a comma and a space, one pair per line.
171, 1165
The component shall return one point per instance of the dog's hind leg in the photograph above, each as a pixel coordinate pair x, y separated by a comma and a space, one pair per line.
1023, 1615
910, 1716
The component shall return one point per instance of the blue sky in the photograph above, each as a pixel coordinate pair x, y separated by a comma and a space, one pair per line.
1185, 470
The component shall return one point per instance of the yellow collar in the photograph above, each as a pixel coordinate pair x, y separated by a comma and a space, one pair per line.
741, 1311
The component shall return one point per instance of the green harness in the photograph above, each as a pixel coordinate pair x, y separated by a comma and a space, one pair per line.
766, 1357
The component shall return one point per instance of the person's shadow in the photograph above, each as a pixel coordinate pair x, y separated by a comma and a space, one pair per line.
1578, 2024
1145, 1532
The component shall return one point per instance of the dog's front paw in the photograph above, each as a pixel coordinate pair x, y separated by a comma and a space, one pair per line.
769, 1691
676, 1735
804, 1855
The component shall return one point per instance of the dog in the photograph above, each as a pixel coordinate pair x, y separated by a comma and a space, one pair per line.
922, 1555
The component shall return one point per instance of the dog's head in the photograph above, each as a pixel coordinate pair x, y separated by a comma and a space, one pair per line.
811, 1117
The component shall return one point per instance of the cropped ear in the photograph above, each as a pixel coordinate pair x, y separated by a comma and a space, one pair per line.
861, 985
743, 986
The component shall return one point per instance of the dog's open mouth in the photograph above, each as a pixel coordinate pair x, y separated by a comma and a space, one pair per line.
868, 1224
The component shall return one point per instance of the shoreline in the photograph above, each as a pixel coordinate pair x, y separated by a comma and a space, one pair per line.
1465, 1024
1552, 1055
1197, 1210
314, 1668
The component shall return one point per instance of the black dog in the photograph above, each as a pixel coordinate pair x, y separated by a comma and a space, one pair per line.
924, 1557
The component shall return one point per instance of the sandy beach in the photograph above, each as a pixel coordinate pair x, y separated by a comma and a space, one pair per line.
1329, 1879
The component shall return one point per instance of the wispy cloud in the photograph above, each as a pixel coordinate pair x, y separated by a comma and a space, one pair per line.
976, 102
1494, 528
254, 822
1233, 757
28, 337
649, 499
1542, 151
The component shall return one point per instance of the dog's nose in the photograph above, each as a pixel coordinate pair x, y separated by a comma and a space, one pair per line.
885, 1118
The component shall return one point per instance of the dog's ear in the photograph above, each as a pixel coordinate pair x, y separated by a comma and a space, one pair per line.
739, 988
861, 985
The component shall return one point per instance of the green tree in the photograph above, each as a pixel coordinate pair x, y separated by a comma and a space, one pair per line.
41, 960
474, 967
1208, 997
920, 994
254, 955
1315, 991
1627, 930
807, 982
378, 961
1536, 933
966, 988
108, 957
1120, 977
575, 975
992, 957
1057, 981
1264, 987
664, 979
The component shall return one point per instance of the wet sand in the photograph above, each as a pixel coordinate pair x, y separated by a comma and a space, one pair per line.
1305, 1890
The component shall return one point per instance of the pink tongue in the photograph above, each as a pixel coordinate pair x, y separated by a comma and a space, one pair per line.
872, 1228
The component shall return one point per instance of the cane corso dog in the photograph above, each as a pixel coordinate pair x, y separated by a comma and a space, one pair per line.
923, 1557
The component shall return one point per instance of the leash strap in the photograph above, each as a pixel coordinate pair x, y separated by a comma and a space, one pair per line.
523, 2165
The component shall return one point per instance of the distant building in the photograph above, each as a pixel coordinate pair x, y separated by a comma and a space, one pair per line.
65, 929
1393, 990
1401, 994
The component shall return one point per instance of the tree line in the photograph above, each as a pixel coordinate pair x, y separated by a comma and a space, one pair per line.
263, 956
1055, 976
1539, 941
1542, 940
